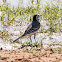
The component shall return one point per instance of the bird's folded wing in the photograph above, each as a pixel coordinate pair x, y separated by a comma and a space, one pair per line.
30, 30
29, 27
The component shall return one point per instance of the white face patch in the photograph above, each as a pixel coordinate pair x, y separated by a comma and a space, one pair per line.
37, 17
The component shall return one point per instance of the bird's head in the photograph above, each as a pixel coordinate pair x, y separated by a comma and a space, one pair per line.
36, 17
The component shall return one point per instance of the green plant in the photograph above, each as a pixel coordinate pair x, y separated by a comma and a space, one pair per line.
4, 33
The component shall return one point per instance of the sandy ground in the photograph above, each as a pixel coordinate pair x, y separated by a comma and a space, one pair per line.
20, 56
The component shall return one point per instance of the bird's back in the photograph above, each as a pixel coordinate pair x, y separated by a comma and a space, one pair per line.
34, 26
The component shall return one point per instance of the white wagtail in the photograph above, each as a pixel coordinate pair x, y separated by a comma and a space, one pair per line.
32, 28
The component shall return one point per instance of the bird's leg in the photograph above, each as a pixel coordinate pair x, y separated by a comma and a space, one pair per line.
30, 39
34, 38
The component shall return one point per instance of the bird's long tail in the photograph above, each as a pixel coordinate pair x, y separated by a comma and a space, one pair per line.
19, 38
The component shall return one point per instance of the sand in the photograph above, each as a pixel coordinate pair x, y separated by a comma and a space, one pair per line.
20, 56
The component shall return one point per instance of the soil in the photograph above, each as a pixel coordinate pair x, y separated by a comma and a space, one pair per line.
20, 56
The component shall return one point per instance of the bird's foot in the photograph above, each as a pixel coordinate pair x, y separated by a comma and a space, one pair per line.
35, 45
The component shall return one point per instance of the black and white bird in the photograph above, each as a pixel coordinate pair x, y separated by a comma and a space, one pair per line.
32, 28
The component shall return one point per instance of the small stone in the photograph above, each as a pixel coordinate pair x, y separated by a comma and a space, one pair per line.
1, 48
